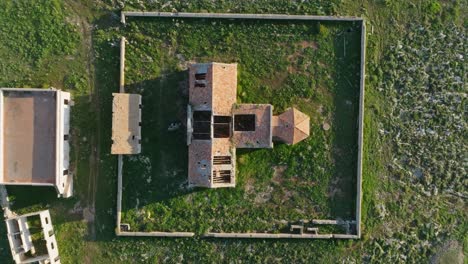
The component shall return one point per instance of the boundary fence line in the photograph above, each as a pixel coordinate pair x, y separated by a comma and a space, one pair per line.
125, 14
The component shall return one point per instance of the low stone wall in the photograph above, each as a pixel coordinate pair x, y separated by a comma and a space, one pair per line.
119, 191
125, 14
122, 65
156, 234
361, 129
280, 235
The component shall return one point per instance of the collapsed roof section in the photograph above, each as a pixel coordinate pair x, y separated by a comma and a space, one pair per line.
32, 239
34, 138
216, 125
252, 126
126, 123
212, 93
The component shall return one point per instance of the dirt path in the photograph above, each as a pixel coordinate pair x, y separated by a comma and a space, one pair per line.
86, 51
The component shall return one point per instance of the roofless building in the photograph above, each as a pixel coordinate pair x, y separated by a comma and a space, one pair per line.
217, 125
32, 238
126, 124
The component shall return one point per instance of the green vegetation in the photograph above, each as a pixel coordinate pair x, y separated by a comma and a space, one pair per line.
427, 115
48, 43
425, 170
36, 38
37, 236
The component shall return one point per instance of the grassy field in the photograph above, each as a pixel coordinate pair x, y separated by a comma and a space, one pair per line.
44, 44
73, 45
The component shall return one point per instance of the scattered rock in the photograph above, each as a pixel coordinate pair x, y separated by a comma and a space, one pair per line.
320, 109
418, 173
174, 126
265, 196
326, 126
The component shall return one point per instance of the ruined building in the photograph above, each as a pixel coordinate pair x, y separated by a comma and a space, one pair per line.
32, 239
217, 125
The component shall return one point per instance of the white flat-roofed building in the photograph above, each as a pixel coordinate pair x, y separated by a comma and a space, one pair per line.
34, 138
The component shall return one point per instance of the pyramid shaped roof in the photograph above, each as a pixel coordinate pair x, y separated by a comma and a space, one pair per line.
293, 126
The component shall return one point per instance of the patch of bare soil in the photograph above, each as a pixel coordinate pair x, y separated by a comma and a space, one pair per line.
76, 212
308, 44
265, 196
451, 252
278, 173
277, 81
293, 58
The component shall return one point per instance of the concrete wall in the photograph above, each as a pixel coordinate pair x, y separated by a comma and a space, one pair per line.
156, 234
15, 240
361, 129
280, 235
124, 14
64, 181
1, 136
49, 237
122, 65
119, 191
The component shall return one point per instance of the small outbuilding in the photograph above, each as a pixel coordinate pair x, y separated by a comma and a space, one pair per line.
291, 126
32, 239
126, 123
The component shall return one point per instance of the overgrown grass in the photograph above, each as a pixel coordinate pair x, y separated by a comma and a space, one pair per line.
36, 41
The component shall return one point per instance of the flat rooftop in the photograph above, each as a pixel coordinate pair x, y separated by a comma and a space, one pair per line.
29, 133
126, 118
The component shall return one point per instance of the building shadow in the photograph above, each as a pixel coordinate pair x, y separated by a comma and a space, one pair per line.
345, 121
160, 171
